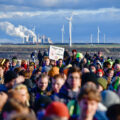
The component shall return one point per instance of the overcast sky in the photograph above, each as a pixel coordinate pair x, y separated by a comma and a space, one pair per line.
18, 17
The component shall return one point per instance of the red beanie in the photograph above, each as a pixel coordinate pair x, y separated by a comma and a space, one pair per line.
57, 108
100, 70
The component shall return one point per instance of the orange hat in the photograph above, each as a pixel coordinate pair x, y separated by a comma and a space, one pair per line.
54, 71
57, 108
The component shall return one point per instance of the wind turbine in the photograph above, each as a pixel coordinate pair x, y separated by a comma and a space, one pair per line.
98, 37
63, 31
70, 29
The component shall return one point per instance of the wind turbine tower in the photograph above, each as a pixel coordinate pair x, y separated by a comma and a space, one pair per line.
63, 31
70, 29
98, 35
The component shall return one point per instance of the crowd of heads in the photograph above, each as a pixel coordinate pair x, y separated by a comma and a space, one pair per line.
77, 87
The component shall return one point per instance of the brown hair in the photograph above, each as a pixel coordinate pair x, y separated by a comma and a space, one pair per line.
58, 76
89, 92
14, 105
73, 70
23, 117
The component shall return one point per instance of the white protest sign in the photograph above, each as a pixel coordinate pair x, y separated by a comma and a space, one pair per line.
56, 53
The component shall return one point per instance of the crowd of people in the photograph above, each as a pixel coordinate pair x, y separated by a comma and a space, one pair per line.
77, 87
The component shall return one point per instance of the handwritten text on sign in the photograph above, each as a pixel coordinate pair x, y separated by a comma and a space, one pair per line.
56, 53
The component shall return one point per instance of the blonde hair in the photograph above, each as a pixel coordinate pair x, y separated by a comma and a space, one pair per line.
20, 87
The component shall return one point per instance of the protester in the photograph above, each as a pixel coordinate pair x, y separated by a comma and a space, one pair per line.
88, 100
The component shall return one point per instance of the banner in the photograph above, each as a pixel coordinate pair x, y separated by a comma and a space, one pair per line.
56, 53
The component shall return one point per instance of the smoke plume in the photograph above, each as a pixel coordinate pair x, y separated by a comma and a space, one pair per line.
19, 31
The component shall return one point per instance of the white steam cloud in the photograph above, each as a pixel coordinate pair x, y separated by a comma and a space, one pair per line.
19, 31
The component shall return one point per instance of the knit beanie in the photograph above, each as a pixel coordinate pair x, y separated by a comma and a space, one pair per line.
89, 77
58, 109
42, 102
103, 82
100, 70
113, 112
109, 98
54, 71
79, 55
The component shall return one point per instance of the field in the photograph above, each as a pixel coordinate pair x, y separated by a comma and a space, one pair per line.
24, 51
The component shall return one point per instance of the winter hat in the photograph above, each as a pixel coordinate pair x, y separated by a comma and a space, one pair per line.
98, 62
42, 102
109, 98
58, 109
74, 50
103, 82
100, 70
9, 76
113, 112
89, 77
79, 55
54, 71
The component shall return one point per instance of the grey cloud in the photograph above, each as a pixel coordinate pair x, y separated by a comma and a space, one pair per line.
59, 4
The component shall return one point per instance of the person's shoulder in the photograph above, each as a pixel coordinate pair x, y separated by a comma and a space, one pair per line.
3, 88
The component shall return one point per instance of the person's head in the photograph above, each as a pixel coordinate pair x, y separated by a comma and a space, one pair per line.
41, 103
54, 71
11, 107
52, 62
14, 62
79, 56
88, 100
60, 62
57, 82
102, 84
7, 63
58, 109
92, 68
22, 89
9, 79
99, 72
47, 61
74, 52
74, 78
84, 60
110, 73
98, 65
109, 98
106, 66
42, 82
117, 67
89, 78
14, 94
85, 70
113, 112
100, 54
